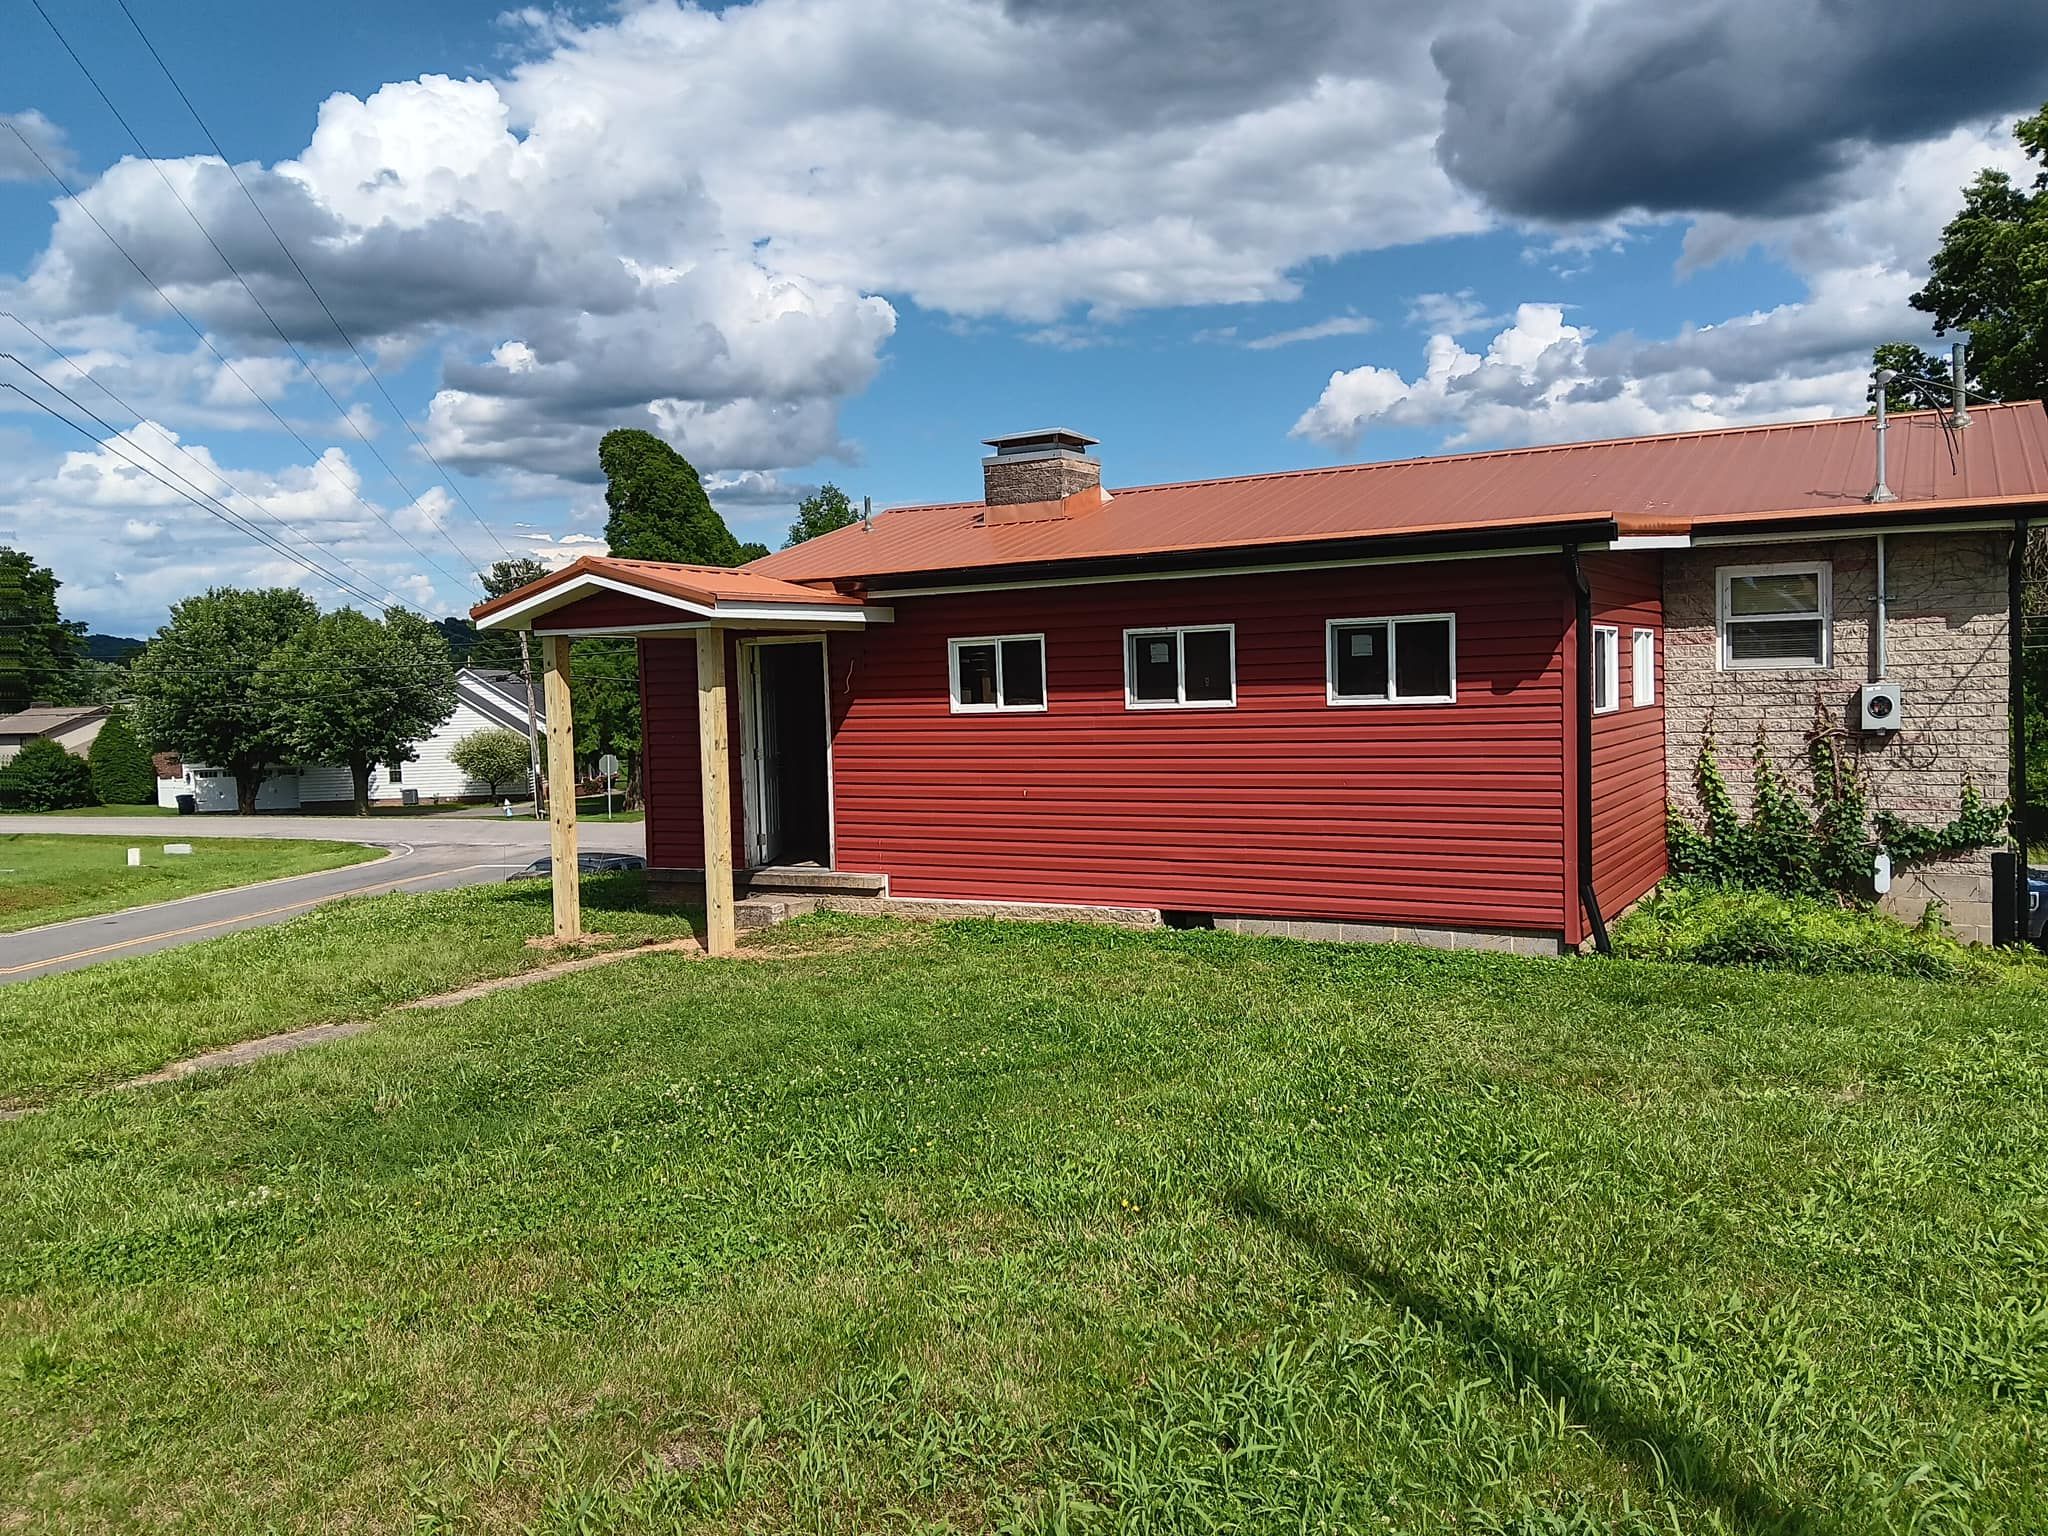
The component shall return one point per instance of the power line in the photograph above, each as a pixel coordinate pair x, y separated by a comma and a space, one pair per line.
213, 503
184, 452
304, 277
206, 341
117, 445
228, 261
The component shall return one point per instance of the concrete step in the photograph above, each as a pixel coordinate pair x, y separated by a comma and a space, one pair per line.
799, 879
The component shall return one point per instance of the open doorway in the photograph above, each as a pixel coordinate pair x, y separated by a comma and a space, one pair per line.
788, 782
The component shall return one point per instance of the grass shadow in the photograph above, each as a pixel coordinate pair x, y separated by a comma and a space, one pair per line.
1662, 1453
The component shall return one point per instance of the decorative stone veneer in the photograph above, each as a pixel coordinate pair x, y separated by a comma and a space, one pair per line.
1946, 643
1011, 481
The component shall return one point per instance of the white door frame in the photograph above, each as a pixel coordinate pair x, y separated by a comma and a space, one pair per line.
754, 767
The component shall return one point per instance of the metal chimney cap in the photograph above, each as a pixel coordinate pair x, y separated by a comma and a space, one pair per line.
1043, 440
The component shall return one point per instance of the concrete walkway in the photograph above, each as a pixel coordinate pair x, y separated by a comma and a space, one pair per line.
426, 854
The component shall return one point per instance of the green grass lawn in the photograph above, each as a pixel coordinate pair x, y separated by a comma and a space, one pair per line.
55, 878
591, 808
984, 1228
344, 960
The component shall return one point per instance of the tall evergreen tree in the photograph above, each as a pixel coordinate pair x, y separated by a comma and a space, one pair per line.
122, 773
658, 512
658, 507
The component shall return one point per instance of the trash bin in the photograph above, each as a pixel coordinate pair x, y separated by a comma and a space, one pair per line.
188, 805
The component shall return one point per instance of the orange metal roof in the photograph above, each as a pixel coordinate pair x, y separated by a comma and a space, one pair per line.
1670, 484
708, 586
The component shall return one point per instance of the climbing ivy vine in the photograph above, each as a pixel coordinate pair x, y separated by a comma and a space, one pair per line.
1820, 844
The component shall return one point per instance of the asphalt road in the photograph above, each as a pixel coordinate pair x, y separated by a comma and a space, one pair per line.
427, 853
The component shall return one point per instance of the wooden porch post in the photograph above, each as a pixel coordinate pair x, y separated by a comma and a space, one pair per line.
562, 790
713, 772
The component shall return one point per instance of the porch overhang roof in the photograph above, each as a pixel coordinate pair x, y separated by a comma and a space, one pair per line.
679, 597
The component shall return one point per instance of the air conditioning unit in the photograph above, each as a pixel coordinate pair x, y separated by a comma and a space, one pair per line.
1878, 707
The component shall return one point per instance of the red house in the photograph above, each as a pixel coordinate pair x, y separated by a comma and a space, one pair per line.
1445, 699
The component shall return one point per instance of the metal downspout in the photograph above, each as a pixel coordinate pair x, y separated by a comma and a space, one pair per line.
1582, 629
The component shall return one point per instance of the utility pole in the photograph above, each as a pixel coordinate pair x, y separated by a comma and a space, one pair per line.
532, 720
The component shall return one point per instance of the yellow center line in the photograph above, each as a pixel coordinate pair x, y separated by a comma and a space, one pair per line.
245, 917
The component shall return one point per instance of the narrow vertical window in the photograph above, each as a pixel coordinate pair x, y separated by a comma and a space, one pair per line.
997, 673
1643, 669
1606, 669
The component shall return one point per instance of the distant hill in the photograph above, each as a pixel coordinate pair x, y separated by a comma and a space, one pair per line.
116, 648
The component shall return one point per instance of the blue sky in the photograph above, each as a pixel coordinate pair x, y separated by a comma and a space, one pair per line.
811, 240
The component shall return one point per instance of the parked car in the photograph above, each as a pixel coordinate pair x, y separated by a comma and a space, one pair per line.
586, 864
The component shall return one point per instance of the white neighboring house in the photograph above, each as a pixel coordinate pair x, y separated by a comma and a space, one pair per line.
485, 700
71, 726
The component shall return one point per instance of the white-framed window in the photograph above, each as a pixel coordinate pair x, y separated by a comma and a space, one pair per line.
1188, 666
1409, 658
1606, 669
1643, 669
1774, 615
997, 674
394, 773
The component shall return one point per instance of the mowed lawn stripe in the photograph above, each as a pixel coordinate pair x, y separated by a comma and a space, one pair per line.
978, 1227
344, 959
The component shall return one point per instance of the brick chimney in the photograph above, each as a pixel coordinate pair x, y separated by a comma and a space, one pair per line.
1029, 467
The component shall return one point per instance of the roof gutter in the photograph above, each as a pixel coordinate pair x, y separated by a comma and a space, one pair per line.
1582, 705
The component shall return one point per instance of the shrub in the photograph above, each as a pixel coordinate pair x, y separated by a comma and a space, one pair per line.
122, 773
1793, 933
44, 777
495, 756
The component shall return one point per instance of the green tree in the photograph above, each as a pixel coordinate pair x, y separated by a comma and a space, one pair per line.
605, 681
658, 507
44, 777
196, 687
39, 650
122, 773
497, 756
658, 512
1920, 378
1990, 275
497, 647
359, 690
824, 510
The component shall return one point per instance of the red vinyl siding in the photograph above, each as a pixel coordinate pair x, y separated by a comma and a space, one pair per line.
1432, 815
1628, 743
611, 610
668, 725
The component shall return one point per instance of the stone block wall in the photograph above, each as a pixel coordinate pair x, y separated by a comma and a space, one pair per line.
1946, 641
1029, 478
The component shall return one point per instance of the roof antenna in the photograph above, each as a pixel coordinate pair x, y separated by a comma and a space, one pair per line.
867, 514
1881, 491
1958, 355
